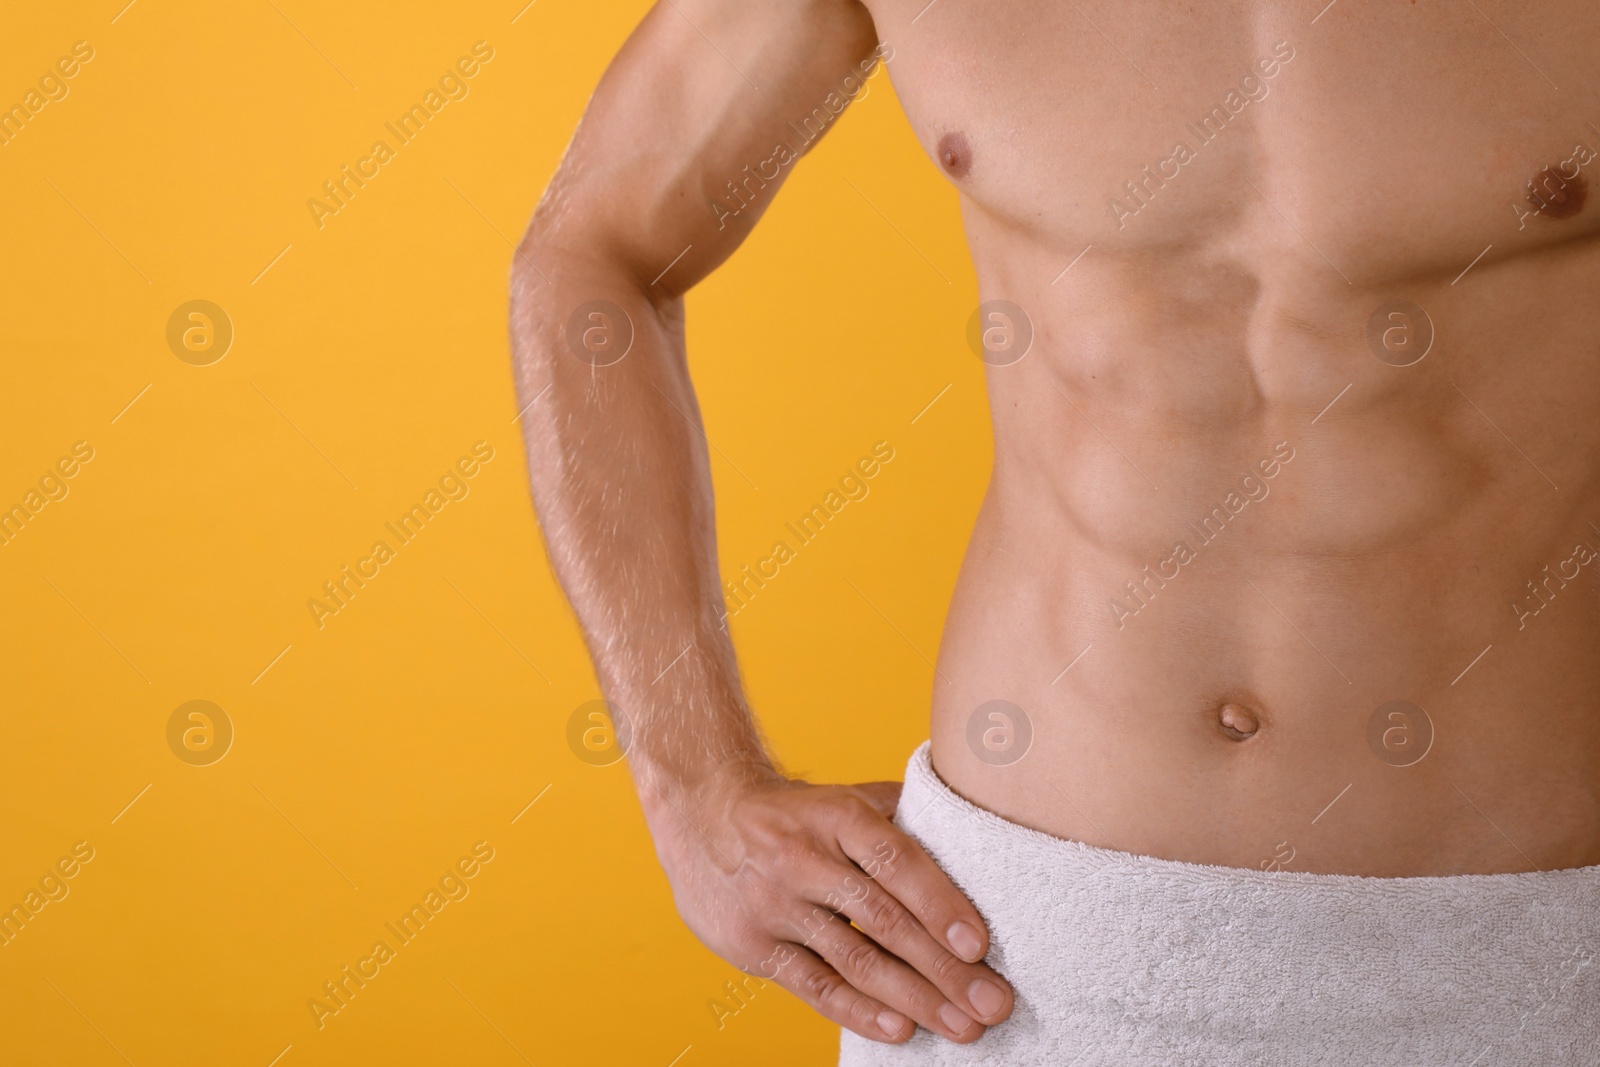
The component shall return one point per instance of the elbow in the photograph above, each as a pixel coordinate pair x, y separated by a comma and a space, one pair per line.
565, 303
576, 290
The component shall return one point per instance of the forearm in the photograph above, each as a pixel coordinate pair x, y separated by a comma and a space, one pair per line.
621, 480
636, 214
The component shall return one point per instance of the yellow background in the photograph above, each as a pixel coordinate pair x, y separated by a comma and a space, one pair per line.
427, 714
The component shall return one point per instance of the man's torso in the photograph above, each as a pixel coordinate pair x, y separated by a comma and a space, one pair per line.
1216, 482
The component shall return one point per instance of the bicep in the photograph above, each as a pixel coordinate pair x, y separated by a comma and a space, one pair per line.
695, 125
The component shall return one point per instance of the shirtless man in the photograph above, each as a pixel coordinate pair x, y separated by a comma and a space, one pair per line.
1286, 570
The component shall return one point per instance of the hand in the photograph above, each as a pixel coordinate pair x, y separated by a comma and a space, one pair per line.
771, 873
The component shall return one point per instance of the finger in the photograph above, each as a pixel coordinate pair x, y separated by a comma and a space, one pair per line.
972, 988
883, 796
881, 976
900, 865
803, 973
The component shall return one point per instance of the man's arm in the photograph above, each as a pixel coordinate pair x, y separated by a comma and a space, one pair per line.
759, 864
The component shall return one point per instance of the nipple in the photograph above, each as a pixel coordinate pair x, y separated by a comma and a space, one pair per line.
954, 155
1238, 721
1556, 195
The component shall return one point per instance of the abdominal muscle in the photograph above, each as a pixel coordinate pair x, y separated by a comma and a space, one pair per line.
1203, 620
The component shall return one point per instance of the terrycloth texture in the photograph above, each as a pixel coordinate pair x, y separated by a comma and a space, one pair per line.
1128, 961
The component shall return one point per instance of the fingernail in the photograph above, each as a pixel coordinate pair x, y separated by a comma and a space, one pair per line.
891, 1023
964, 939
986, 997
954, 1019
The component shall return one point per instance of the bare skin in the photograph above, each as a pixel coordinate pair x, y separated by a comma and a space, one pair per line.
1203, 350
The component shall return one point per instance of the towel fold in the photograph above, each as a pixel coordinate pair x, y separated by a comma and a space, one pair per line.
1126, 961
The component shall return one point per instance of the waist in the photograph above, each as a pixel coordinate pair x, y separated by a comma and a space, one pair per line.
1427, 708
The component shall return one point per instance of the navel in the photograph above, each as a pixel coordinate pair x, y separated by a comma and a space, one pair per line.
1556, 195
954, 155
1238, 722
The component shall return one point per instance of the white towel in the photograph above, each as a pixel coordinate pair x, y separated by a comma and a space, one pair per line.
1126, 961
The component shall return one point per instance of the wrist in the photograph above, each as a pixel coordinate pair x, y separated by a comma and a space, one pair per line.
702, 790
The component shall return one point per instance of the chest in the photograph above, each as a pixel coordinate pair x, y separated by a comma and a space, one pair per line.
1395, 133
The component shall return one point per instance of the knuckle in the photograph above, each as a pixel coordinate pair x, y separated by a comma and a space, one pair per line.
819, 985
947, 968
863, 809
846, 892
862, 961
850, 810
885, 916
814, 924
891, 845
935, 899
924, 899
843, 801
